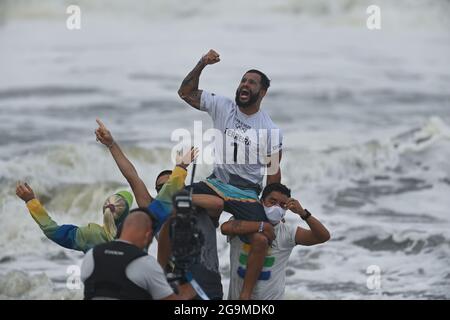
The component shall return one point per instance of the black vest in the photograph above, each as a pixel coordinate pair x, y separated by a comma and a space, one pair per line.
109, 278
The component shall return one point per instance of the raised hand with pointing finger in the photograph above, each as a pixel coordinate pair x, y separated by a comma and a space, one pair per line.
103, 135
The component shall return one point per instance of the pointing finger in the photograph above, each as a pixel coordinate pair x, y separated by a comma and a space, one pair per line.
100, 123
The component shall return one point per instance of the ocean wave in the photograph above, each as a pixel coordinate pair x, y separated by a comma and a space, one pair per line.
21, 285
349, 12
406, 245
392, 163
46, 92
422, 148
80, 164
368, 191
363, 98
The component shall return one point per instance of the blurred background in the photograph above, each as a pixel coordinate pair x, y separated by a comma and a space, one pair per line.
365, 115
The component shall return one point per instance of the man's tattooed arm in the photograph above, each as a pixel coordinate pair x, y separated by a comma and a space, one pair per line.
236, 226
189, 91
241, 227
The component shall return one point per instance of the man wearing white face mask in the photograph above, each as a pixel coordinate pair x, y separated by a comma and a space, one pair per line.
276, 199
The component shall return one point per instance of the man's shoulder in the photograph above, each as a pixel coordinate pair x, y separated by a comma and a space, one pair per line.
89, 256
269, 123
284, 232
146, 261
143, 267
218, 98
285, 227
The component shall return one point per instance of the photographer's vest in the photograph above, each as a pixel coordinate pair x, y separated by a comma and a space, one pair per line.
109, 277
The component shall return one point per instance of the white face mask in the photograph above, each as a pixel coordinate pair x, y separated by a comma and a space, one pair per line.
275, 213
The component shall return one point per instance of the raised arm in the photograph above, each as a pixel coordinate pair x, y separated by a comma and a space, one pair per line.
189, 91
143, 197
37, 211
241, 227
317, 233
162, 206
66, 235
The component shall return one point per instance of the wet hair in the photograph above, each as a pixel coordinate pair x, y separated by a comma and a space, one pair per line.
265, 81
275, 187
115, 211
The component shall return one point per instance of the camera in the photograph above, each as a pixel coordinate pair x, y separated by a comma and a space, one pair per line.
186, 239
183, 203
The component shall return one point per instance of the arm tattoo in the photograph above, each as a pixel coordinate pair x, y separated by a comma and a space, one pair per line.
193, 98
235, 225
190, 83
187, 80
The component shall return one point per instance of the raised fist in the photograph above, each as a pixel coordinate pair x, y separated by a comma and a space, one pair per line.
211, 57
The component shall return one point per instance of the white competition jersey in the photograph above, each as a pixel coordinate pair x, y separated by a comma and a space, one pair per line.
245, 142
272, 279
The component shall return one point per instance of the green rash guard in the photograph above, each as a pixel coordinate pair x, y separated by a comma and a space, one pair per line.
86, 237
67, 235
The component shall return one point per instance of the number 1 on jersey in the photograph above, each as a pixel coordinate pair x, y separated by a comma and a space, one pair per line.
235, 145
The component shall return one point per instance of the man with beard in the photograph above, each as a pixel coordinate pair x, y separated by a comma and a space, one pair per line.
249, 145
